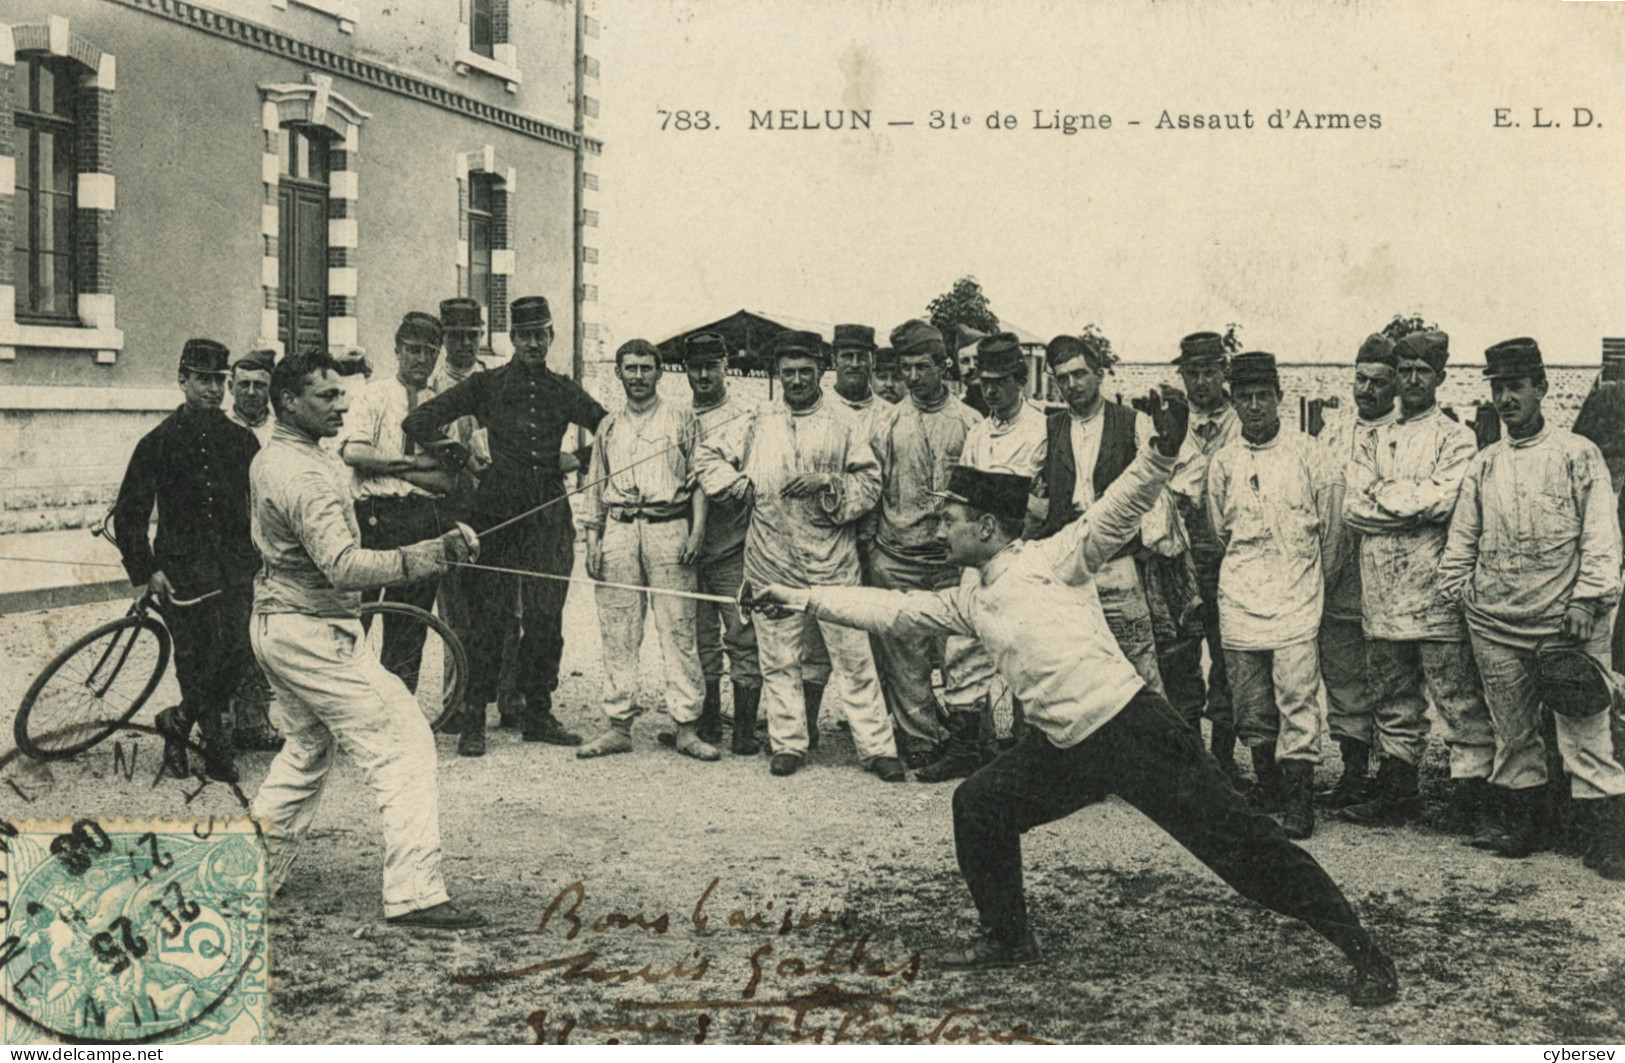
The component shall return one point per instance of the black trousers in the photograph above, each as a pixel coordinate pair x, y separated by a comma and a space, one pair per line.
545, 542
388, 524
211, 654
1181, 661
1149, 757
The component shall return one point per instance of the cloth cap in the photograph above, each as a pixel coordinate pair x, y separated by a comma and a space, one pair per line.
803, 344
1432, 347
461, 312
999, 355
915, 337
886, 356
419, 326
639, 347
703, 348
854, 336
965, 336
205, 356
1201, 347
1377, 348
1062, 350
1254, 367
259, 360
1513, 358
531, 310
1003, 494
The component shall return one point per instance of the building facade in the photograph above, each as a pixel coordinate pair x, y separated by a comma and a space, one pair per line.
286, 172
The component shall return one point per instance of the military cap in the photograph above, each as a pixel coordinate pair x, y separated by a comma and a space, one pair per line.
965, 336
1003, 494
800, 344
531, 310
1201, 347
1062, 351
1377, 348
420, 326
259, 360
205, 356
854, 336
998, 355
1513, 358
1254, 367
1431, 346
917, 337
461, 312
703, 348
885, 356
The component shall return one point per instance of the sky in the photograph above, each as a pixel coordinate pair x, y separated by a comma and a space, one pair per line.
1309, 239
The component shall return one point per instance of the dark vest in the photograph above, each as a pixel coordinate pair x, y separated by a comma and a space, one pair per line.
1117, 450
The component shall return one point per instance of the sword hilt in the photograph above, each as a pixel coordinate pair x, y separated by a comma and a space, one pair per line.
747, 602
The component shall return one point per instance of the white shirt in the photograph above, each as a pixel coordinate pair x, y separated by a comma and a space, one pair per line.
1086, 432
262, 431
375, 419
1018, 445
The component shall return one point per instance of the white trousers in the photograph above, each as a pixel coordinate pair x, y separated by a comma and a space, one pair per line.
646, 554
331, 694
853, 685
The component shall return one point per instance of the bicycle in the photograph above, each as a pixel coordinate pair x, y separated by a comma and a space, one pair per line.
103, 678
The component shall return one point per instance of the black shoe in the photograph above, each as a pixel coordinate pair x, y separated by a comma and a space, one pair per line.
220, 769
785, 763
747, 703
544, 728
1375, 981
1354, 784
442, 916
1298, 810
1521, 831
175, 734
918, 757
812, 695
709, 726
1269, 794
890, 769
510, 709
1397, 801
985, 954
962, 757
472, 743
1606, 855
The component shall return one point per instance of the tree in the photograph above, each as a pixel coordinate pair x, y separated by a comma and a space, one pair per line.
964, 304
1402, 326
1232, 341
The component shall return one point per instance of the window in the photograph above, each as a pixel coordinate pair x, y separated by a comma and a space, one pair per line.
481, 30
46, 175
481, 193
302, 193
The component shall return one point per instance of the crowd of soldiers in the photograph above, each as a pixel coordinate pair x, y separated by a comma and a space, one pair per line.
1385, 557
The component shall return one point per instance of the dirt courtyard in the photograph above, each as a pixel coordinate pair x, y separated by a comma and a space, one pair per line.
651, 898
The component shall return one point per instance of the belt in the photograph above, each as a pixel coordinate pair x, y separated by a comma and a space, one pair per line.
630, 515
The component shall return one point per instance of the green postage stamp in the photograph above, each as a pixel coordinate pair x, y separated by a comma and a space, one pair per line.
142, 931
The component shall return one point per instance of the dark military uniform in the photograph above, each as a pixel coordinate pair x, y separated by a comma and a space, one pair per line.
525, 414
194, 465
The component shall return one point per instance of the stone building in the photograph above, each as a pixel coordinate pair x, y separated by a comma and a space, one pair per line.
298, 172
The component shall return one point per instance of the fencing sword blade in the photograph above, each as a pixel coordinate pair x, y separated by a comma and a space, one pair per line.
720, 599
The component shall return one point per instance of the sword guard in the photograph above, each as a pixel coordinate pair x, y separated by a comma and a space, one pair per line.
473, 541
747, 602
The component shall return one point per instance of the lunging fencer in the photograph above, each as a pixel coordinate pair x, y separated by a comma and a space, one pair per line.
1099, 729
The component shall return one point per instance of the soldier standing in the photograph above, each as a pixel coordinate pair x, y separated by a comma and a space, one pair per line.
525, 409
194, 467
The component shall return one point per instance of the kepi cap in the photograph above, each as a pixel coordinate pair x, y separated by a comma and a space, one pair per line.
421, 326
205, 356
461, 312
704, 348
1201, 347
1254, 367
799, 343
999, 355
854, 336
530, 310
1513, 358
885, 356
1003, 494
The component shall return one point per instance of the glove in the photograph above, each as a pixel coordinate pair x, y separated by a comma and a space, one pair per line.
461, 544
1171, 416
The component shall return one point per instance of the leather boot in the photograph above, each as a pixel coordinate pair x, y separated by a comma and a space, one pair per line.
1477, 810
219, 756
1298, 812
813, 695
176, 732
747, 703
962, 756
1522, 829
1606, 855
1223, 745
472, 740
1398, 799
1269, 795
539, 724
1354, 785
1375, 980
709, 727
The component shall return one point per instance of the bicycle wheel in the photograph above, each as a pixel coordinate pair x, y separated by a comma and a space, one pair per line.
92, 688
438, 675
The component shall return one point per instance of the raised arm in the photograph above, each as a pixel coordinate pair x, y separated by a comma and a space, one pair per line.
1078, 550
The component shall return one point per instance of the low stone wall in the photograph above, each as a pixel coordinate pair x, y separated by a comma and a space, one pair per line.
62, 468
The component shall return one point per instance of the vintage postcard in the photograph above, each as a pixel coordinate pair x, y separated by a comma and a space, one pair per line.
661, 507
